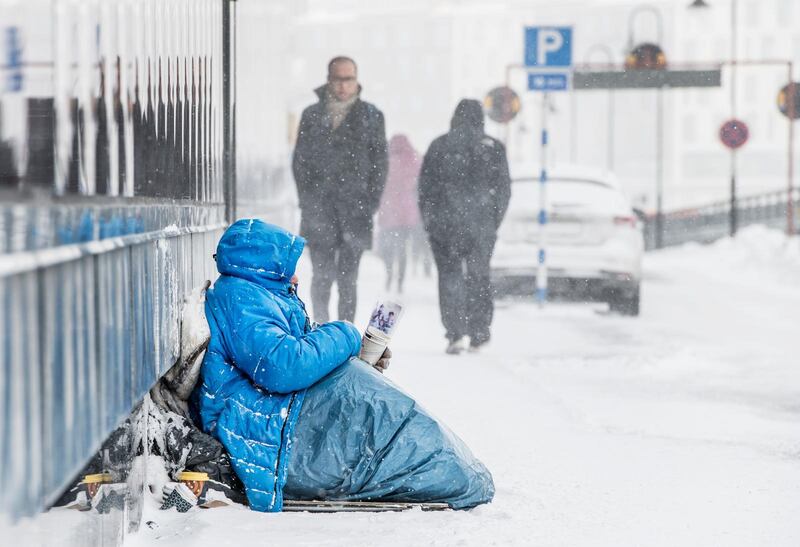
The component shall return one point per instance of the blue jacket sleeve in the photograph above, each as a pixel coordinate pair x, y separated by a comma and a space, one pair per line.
266, 351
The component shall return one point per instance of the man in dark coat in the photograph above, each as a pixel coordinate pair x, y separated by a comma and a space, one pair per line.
340, 164
464, 188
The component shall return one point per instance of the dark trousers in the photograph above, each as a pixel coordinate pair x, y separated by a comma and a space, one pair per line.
331, 263
465, 289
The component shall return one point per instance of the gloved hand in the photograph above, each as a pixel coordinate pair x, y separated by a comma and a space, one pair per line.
383, 362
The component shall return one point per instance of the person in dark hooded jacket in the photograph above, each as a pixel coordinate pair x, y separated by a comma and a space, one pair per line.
464, 189
340, 164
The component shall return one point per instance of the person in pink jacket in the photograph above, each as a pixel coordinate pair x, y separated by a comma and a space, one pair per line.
398, 216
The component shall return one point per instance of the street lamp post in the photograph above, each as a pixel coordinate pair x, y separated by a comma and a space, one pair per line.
638, 10
734, 43
659, 224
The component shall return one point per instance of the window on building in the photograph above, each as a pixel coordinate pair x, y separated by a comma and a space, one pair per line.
721, 49
690, 128
785, 12
754, 123
750, 88
751, 13
767, 46
430, 66
770, 135
440, 31
378, 38
407, 36
416, 103
403, 67
748, 51
703, 97
691, 49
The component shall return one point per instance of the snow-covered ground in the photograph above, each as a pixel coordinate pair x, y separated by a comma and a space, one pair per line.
680, 427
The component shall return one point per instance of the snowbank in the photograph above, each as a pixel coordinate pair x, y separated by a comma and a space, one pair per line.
757, 254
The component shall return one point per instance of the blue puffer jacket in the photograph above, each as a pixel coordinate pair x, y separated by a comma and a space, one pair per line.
262, 355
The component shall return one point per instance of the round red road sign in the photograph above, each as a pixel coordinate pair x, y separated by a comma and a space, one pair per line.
789, 100
502, 104
733, 133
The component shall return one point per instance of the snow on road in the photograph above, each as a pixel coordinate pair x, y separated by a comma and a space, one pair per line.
679, 427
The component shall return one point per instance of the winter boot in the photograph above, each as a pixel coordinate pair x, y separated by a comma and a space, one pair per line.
179, 496
80, 495
198, 489
94, 490
456, 346
477, 342
110, 496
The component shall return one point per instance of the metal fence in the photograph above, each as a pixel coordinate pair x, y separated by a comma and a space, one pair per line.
116, 180
711, 222
86, 329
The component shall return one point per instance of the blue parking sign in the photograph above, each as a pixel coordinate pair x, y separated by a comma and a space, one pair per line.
547, 47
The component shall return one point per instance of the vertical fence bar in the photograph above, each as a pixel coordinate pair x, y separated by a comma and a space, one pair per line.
228, 131
5, 395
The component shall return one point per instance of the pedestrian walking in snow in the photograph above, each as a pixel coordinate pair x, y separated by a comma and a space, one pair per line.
464, 188
340, 163
398, 216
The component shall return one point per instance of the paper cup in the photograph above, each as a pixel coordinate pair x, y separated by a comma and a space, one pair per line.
373, 344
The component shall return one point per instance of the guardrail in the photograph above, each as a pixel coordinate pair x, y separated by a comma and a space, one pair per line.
86, 330
711, 222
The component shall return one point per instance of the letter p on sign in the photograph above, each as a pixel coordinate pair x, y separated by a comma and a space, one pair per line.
548, 46
550, 41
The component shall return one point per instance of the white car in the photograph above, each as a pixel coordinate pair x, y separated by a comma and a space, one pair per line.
594, 242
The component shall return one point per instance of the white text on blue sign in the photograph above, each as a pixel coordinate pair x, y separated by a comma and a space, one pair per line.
548, 82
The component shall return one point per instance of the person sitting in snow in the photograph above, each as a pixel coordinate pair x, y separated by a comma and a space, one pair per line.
300, 415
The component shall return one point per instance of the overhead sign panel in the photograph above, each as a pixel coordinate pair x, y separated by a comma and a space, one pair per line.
643, 79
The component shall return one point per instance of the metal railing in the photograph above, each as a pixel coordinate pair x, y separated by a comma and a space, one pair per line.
116, 182
711, 222
86, 330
